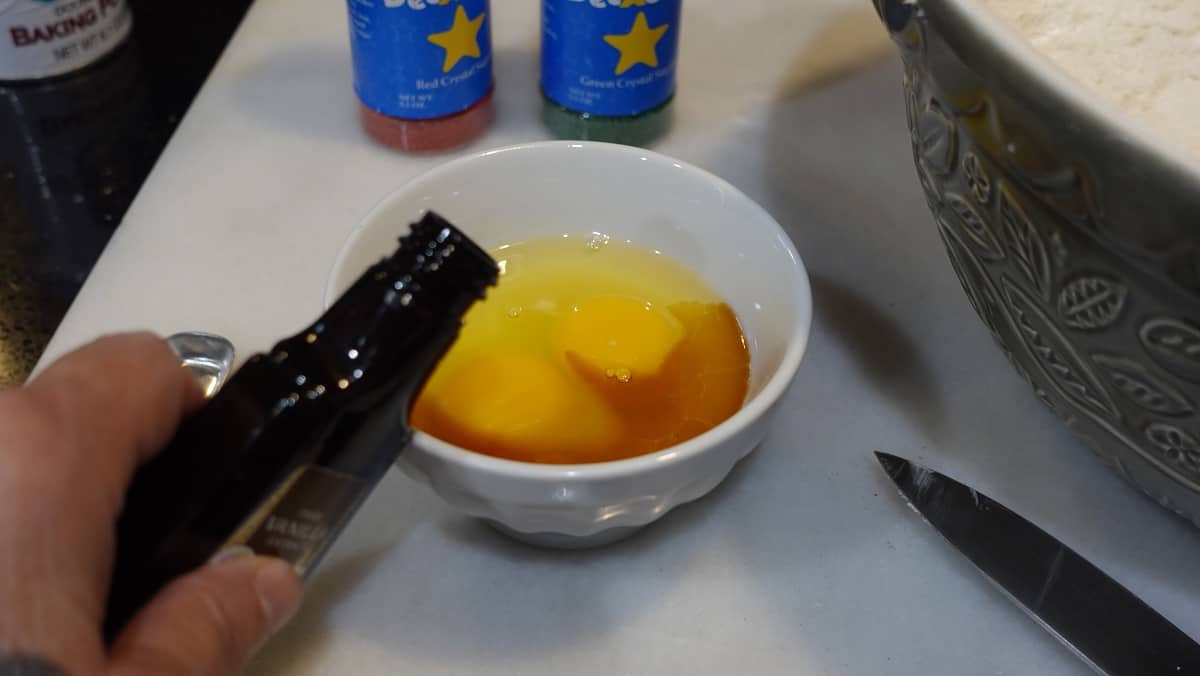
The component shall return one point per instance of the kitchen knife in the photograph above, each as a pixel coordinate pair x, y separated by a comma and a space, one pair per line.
1103, 623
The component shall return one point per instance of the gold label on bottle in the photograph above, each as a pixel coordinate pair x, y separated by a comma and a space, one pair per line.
298, 522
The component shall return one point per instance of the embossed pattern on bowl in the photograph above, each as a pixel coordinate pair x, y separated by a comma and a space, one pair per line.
1076, 238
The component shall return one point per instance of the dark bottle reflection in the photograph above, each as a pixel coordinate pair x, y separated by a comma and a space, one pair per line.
73, 153
75, 149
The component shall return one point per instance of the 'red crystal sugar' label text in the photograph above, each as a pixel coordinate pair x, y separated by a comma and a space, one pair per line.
42, 38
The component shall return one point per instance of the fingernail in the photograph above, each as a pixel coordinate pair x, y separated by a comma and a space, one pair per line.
232, 553
278, 589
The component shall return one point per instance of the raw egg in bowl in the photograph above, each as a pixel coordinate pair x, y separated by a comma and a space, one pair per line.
648, 319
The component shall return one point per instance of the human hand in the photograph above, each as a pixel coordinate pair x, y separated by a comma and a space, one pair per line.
70, 441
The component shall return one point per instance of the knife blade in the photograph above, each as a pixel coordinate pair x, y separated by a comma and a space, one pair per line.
1102, 622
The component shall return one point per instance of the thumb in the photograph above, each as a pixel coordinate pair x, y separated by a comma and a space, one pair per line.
208, 622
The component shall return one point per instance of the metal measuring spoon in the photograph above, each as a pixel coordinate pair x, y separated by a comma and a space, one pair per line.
209, 356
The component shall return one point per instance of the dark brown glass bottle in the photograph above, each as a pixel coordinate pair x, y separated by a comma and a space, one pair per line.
280, 459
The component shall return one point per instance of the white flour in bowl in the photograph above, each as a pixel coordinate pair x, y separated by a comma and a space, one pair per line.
1142, 55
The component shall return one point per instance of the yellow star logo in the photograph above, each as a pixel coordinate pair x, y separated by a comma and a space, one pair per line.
461, 40
637, 46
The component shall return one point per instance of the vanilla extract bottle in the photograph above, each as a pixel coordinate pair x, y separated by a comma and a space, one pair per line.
281, 458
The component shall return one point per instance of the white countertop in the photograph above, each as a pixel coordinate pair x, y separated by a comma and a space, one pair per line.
805, 561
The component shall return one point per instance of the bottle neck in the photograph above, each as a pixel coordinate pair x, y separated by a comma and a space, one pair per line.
384, 336
395, 322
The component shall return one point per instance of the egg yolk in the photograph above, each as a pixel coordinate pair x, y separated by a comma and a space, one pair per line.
517, 405
618, 337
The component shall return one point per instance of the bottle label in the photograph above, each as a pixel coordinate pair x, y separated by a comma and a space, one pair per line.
609, 57
300, 519
42, 38
421, 59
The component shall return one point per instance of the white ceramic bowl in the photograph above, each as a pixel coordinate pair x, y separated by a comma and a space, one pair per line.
548, 188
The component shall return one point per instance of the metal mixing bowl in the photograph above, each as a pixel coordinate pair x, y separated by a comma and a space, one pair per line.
1075, 232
